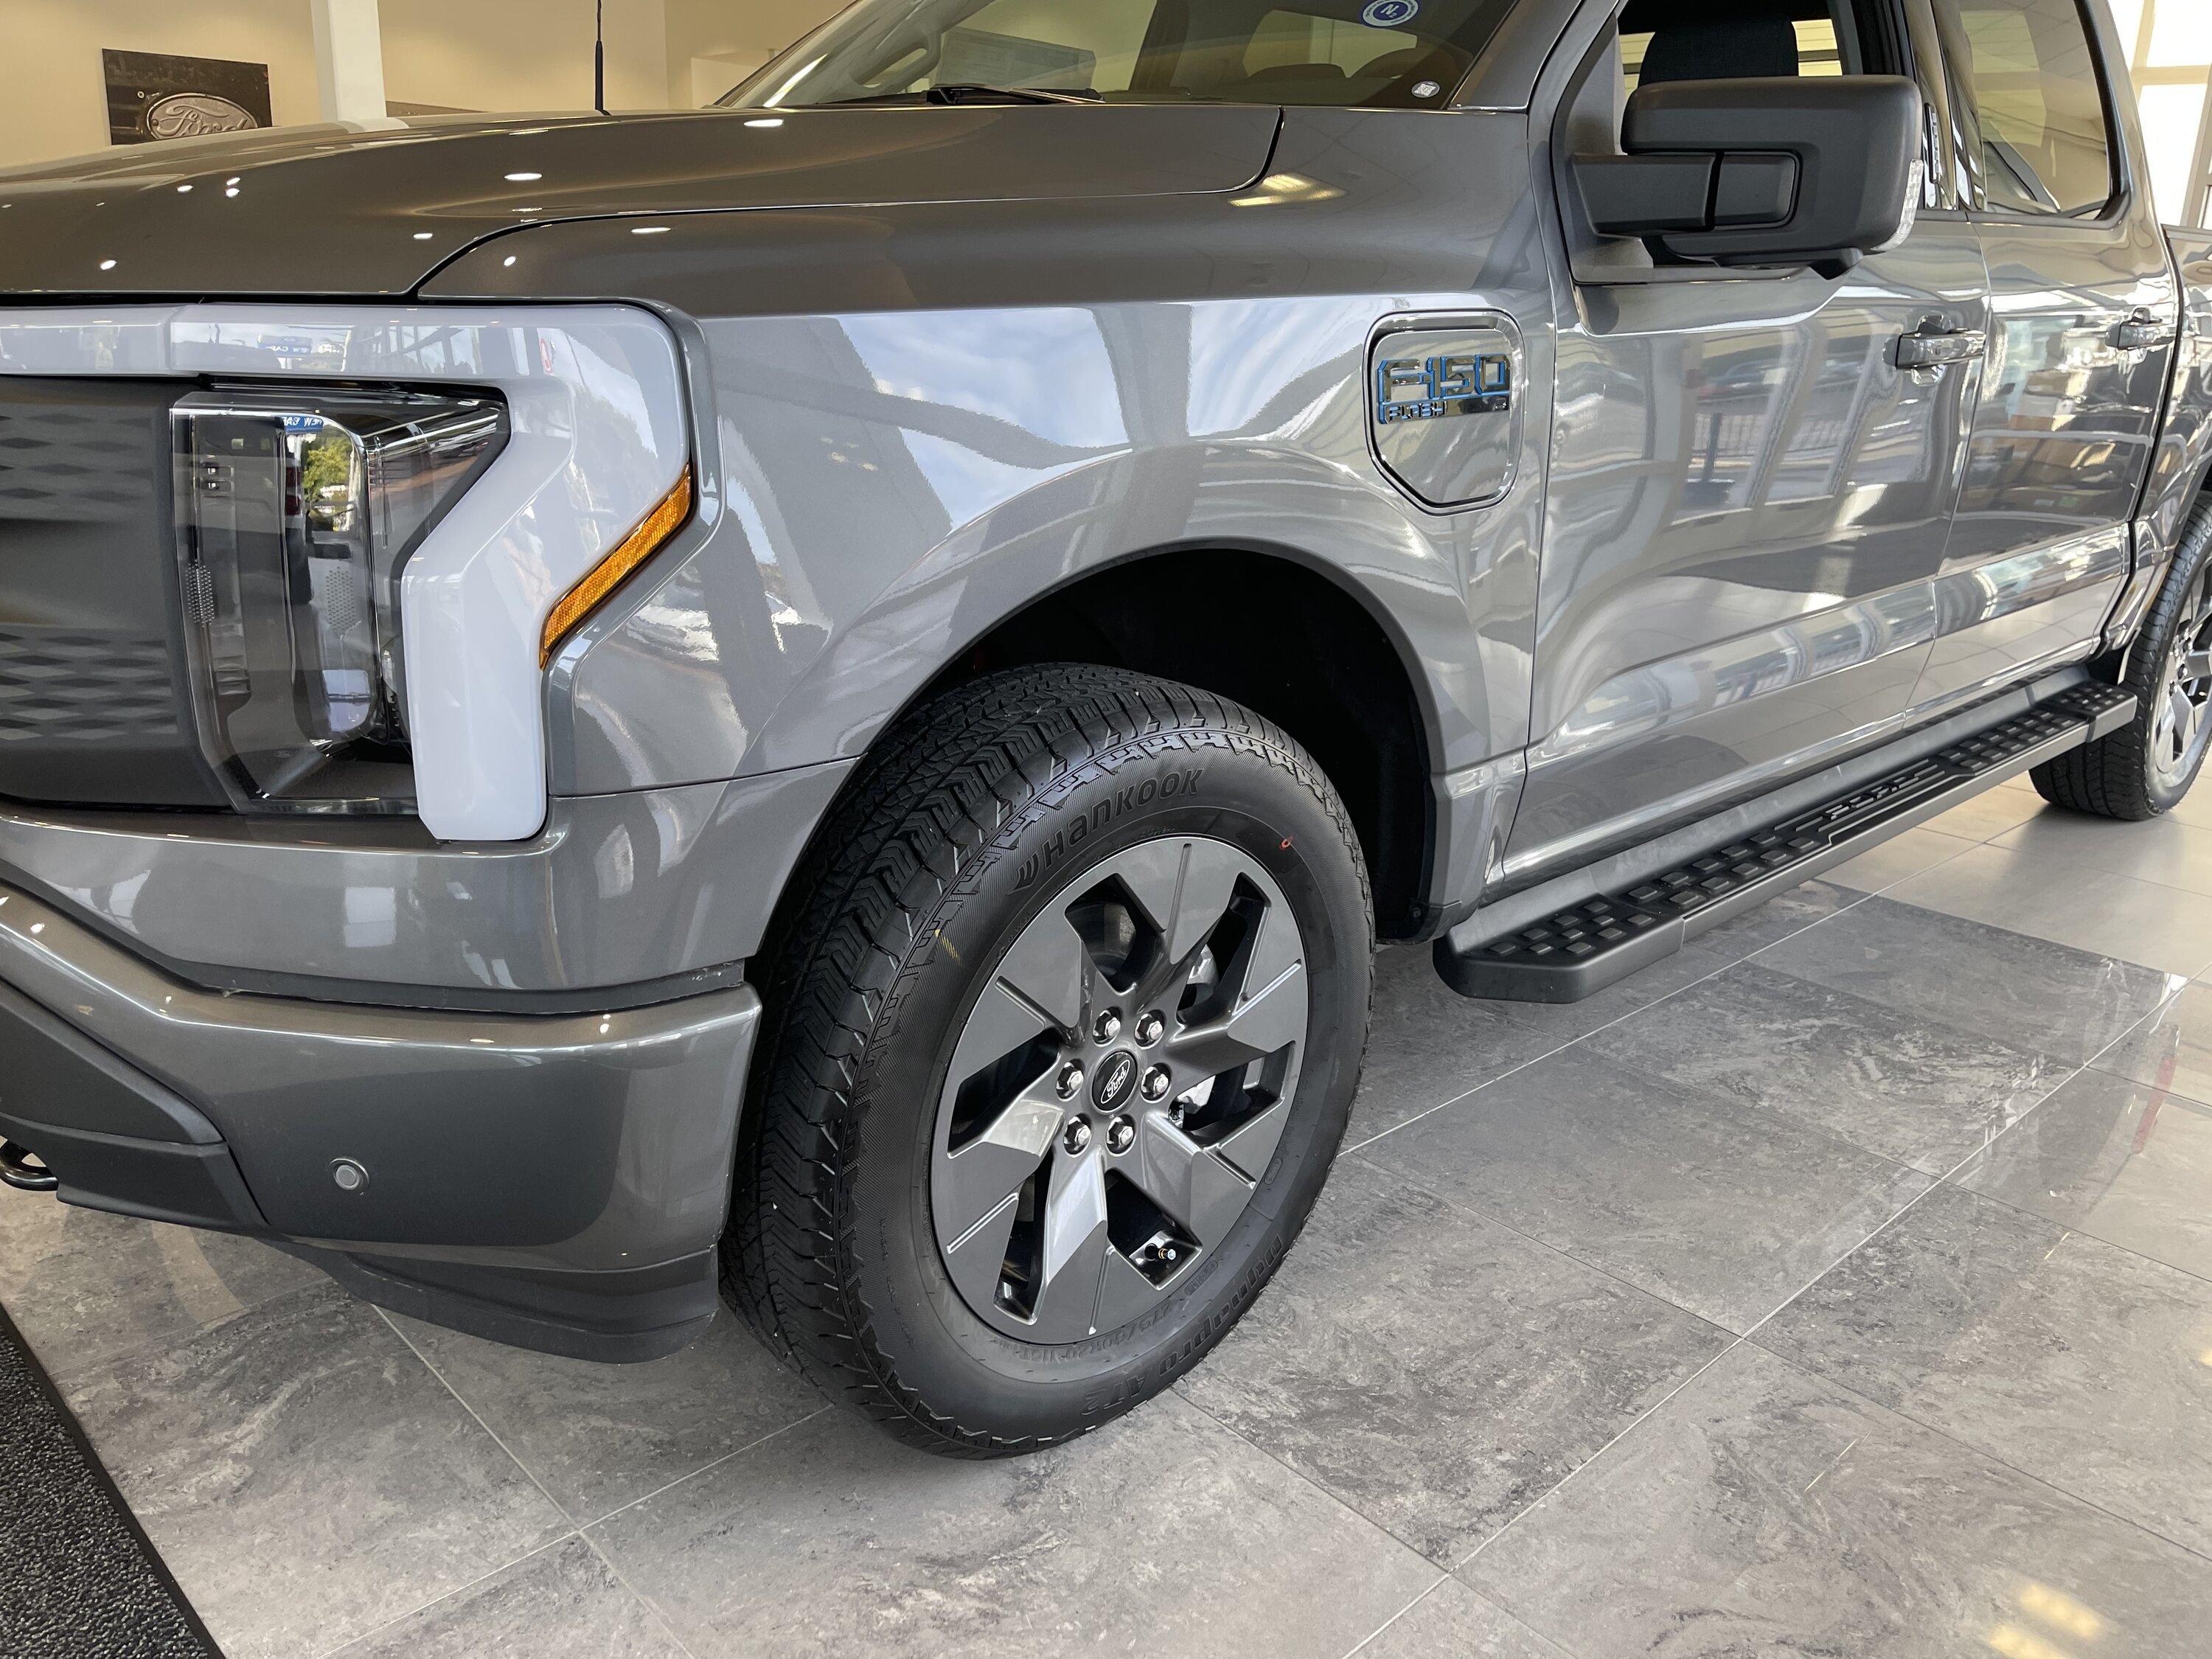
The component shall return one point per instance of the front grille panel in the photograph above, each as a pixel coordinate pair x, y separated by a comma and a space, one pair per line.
92, 700
56, 687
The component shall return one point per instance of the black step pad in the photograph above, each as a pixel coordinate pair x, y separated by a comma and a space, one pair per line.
1583, 948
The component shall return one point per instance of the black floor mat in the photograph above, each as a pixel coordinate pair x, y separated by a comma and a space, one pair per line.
77, 1576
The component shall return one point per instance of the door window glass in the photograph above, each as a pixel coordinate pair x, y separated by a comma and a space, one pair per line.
1783, 38
2028, 65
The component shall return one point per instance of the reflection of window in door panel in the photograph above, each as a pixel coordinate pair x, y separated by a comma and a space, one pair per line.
1880, 439
1734, 415
1824, 429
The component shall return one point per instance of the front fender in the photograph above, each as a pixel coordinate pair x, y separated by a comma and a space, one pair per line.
883, 489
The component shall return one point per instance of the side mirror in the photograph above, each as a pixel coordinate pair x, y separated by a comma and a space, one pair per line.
1819, 171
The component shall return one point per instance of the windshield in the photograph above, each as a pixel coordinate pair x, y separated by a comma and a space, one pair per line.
1403, 54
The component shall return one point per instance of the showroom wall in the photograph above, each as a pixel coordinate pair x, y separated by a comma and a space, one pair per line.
461, 54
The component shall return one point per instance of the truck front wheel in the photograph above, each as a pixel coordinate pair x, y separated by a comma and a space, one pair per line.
1062, 1037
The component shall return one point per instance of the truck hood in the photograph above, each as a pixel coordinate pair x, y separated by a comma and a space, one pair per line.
339, 211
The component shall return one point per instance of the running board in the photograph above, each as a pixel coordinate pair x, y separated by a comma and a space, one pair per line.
1587, 946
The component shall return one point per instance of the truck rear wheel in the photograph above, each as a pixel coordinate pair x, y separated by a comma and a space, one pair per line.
2146, 767
1061, 1039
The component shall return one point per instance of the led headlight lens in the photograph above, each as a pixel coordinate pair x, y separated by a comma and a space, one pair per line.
296, 513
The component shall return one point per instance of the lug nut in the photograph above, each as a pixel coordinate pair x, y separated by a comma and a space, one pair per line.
1071, 1079
1107, 1026
1122, 1133
1154, 1084
1149, 1029
1076, 1136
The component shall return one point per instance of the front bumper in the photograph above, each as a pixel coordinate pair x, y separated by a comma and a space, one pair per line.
554, 1180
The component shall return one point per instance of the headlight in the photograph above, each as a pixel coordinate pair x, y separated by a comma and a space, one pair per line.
297, 513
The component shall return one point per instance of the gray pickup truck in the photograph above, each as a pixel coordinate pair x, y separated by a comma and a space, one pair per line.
823, 701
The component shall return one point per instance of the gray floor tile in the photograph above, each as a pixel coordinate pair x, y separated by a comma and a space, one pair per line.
2125, 1162
2196, 806
1163, 1532
1452, 1622
2027, 993
2072, 1360
1782, 917
2163, 850
85, 1286
1720, 1209
1988, 815
1428, 1044
306, 1476
1900, 856
2174, 1050
599, 1436
1436, 1371
1922, 1094
1764, 1512
2054, 897
562, 1603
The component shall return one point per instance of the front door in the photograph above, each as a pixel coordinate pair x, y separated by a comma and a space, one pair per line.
2084, 311
1749, 496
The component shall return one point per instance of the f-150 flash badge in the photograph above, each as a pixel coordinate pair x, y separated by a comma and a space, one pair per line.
1432, 388
1427, 378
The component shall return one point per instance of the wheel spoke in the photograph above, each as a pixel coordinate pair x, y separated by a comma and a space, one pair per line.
978, 1261
1185, 886
1263, 1021
1123, 1292
976, 1182
1186, 1180
1075, 1250
2180, 713
2196, 667
1248, 1149
1049, 970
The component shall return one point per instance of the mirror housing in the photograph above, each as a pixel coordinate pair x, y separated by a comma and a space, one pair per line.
1816, 171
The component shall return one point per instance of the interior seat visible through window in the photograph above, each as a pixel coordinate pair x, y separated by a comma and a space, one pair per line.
1669, 40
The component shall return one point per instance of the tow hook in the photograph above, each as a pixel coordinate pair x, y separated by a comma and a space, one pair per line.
19, 1168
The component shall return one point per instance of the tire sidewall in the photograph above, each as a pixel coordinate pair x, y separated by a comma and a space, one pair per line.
1196, 781
2150, 677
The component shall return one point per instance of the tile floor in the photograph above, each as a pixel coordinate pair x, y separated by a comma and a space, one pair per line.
1841, 1287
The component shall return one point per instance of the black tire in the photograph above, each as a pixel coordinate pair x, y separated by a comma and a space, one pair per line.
925, 872
2119, 776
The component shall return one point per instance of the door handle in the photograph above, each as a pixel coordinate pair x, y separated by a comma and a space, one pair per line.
2144, 331
1932, 345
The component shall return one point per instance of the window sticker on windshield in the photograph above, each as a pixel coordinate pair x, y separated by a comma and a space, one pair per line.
1389, 14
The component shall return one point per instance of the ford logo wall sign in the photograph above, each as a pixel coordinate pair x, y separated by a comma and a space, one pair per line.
196, 114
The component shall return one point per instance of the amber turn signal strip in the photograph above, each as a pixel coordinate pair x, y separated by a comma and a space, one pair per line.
585, 597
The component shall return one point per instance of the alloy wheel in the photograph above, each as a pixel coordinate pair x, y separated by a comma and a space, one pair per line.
2181, 724
1119, 1088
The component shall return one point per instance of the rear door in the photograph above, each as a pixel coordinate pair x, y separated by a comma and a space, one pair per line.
2084, 309
1749, 498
